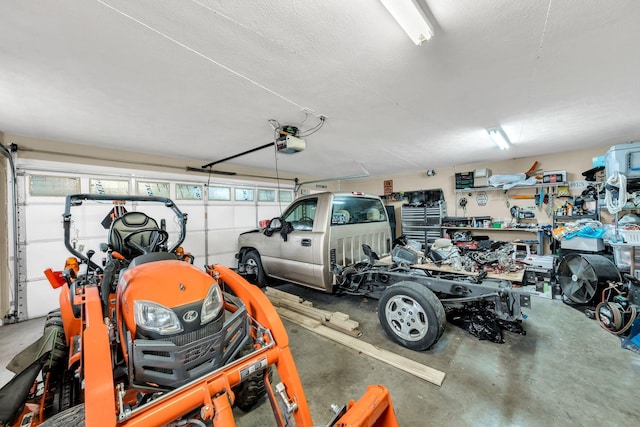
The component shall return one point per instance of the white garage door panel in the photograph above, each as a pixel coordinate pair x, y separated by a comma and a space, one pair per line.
41, 298
268, 211
195, 219
220, 216
212, 227
223, 241
244, 217
44, 222
195, 243
45, 255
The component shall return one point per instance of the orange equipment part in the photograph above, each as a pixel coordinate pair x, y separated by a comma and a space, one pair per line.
373, 409
98, 373
55, 278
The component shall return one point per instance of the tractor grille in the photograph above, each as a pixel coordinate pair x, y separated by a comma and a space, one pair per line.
189, 337
174, 361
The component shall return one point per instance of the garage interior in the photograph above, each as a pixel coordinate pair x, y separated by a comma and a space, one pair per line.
234, 111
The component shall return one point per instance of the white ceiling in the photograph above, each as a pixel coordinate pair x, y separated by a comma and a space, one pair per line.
199, 79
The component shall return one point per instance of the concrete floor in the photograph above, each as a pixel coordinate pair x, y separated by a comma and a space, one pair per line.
566, 371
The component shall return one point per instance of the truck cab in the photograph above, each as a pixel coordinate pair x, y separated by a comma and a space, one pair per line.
315, 232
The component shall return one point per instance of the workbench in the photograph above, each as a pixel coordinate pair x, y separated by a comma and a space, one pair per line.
539, 232
516, 276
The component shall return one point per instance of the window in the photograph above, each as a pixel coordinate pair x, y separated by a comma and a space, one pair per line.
265, 195
219, 193
285, 196
108, 186
46, 185
357, 210
188, 192
302, 214
160, 189
244, 194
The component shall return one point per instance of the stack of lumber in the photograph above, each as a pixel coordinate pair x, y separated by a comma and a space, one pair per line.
334, 320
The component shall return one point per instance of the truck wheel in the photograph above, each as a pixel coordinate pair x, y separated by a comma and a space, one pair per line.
252, 259
411, 315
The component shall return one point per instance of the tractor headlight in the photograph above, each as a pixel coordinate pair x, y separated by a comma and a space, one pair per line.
156, 318
211, 305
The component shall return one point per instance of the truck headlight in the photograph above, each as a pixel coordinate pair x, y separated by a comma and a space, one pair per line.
211, 305
157, 318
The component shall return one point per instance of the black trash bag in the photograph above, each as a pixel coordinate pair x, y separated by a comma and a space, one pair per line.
482, 323
479, 323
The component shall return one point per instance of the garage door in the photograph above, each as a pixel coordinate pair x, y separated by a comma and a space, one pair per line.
218, 211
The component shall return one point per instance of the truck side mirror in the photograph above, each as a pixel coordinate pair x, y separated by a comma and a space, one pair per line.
274, 225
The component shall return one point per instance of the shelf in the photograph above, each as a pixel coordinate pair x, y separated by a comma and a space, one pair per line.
489, 229
569, 218
517, 187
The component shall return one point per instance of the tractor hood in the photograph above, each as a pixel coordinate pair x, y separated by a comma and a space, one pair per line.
170, 288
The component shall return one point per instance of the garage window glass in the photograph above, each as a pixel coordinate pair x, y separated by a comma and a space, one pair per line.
188, 192
285, 196
265, 195
219, 193
108, 186
357, 210
160, 189
244, 194
46, 185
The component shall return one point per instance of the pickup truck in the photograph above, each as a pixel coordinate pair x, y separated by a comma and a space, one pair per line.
331, 242
315, 232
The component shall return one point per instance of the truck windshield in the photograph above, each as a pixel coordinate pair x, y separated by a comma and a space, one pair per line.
357, 210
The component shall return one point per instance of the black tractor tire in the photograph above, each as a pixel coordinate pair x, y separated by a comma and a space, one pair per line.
252, 258
74, 416
54, 330
252, 390
411, 315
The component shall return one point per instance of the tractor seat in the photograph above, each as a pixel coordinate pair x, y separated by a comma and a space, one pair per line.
127, 223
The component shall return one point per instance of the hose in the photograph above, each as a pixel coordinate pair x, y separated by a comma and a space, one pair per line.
617, 325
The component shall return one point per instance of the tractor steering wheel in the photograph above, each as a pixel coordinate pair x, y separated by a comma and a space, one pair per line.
157, 238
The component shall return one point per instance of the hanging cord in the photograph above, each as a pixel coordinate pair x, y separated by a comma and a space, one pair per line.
615, 193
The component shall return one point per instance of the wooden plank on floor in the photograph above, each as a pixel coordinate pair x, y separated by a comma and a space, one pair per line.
335, 320
424, 372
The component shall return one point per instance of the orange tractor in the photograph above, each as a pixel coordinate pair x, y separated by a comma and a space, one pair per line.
145, 338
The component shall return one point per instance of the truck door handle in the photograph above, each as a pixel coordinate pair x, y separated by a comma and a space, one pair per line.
306, 242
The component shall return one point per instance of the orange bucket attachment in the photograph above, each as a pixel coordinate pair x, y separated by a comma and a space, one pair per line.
373, 409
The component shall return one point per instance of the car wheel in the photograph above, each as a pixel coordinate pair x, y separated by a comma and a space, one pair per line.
259, 278
411, 315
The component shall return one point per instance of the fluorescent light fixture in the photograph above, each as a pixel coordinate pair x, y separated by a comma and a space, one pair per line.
499, 138
410, 18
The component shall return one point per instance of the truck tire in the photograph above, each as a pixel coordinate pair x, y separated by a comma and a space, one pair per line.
252, 258
411, 315
74, 416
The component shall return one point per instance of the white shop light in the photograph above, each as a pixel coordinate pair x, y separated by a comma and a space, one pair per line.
411, 19
499, 138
